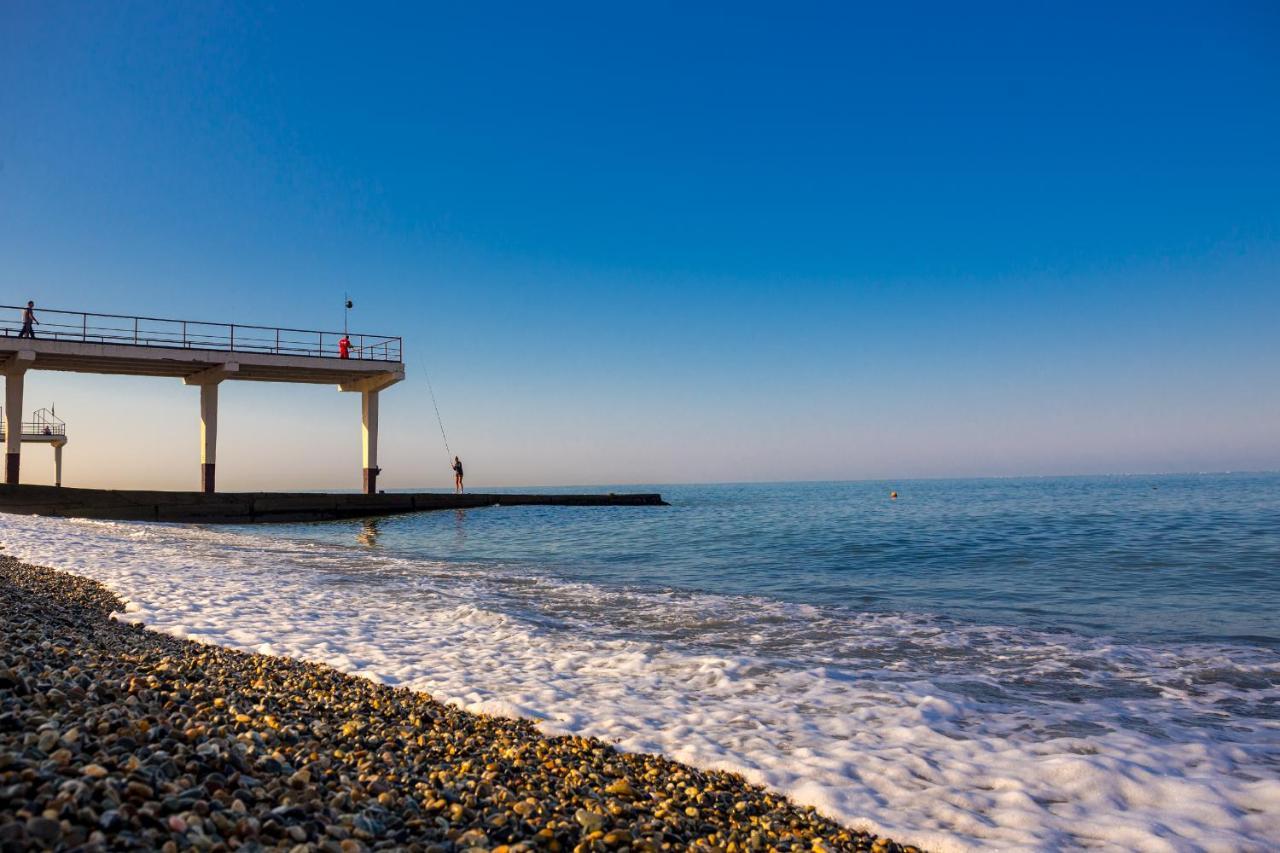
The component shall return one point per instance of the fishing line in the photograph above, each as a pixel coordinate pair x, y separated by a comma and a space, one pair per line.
439, 420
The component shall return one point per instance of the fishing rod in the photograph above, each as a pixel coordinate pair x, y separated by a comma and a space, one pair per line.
439, 420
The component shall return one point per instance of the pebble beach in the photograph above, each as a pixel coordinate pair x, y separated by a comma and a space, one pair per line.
116, 737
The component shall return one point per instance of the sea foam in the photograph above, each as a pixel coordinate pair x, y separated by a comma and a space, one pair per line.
945, 734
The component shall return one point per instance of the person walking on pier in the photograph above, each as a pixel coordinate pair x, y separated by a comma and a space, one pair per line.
29, 317
457, 476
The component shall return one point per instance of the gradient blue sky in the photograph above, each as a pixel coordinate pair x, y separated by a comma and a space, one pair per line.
657, 243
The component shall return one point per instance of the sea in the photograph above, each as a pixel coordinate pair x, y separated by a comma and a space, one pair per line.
1036, 664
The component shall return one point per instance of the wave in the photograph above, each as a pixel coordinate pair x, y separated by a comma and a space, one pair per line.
946, 734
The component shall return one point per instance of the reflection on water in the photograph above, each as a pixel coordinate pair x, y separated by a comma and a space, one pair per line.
368, 534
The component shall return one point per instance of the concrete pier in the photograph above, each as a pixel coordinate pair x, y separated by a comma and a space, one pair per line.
245, 507
201, 354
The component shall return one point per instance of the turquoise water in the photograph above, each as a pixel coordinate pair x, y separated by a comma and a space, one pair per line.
1185, 557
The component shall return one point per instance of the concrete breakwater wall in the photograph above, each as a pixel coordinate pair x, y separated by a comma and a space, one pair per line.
242, 507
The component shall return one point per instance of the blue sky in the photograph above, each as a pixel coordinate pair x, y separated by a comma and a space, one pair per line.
655, 244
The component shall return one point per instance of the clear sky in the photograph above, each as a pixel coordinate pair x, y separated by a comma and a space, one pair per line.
660, 243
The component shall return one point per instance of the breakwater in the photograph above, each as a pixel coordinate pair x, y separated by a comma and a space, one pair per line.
242, 507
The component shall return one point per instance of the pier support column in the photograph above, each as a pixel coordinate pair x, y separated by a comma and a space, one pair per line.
57, 464
208, 435
15, 374
369, 431
209, 380
368, 389
13, 383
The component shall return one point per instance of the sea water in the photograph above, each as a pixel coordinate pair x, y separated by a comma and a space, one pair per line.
1020, 663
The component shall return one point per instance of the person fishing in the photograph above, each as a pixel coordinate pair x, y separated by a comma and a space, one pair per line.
456, 465
29, 317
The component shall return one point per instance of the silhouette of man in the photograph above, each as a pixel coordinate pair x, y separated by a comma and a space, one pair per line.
29, 317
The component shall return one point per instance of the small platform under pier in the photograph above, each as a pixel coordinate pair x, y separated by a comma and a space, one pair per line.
253, 507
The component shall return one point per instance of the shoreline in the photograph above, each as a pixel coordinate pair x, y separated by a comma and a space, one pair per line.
111, 734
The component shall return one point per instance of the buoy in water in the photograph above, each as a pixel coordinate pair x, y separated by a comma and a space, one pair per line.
893, 496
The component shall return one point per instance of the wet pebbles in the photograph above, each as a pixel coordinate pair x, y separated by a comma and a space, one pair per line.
114, 737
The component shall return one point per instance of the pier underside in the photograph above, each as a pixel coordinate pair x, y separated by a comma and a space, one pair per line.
245, 507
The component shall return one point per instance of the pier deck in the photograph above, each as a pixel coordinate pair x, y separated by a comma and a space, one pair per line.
201, 354
148, 346
245, 507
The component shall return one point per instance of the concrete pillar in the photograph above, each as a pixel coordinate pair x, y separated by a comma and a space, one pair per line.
208, 381
208, 435
14, 379
369, 430
57, 464
368, 389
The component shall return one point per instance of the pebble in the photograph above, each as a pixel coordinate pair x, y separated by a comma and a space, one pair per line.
114, 737
591, 821
620, 788
44, 829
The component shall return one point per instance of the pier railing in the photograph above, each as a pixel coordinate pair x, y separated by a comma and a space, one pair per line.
86, 327
43, 423
33, 428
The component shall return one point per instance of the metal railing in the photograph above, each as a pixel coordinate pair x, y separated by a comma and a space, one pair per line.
43, 423
195, 334
33, 428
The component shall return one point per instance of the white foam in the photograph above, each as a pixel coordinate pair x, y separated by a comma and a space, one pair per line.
946, 735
